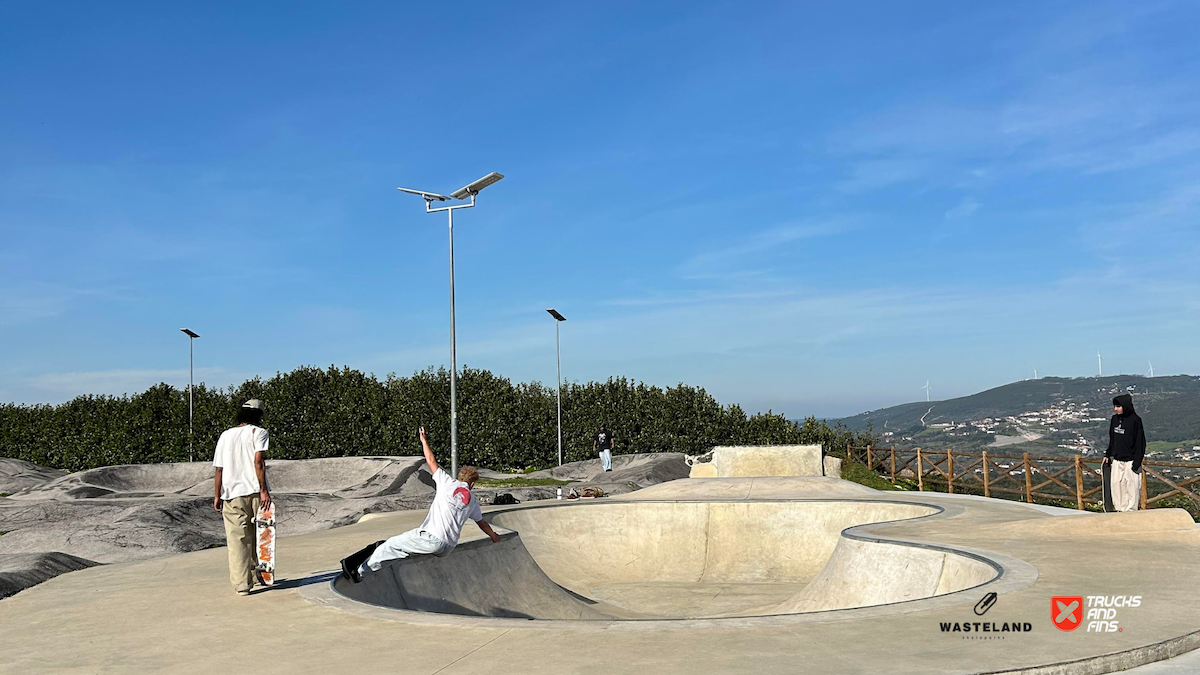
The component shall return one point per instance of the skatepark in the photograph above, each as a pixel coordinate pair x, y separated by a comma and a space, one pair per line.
720, 573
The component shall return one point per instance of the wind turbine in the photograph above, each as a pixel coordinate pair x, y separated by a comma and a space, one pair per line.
1035, 373
1151, 373
926, 388
1099, 366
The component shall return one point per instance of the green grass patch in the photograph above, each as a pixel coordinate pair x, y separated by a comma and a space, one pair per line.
1180, 502
518, 482
857, 473
5, 494
1166, 447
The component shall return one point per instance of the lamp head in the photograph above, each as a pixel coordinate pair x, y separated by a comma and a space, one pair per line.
474, 188
428, 196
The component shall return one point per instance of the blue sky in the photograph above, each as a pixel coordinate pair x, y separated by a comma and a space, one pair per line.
802, 207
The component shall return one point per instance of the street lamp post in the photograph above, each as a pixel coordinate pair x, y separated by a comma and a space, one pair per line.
430, 197
558, 318
191, 339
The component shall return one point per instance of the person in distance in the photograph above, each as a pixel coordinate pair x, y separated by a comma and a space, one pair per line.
1126, 449
604, 445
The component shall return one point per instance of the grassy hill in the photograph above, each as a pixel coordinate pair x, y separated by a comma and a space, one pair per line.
1050, 415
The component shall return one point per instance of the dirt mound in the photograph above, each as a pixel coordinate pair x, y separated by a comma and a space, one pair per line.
17, 475
134, 512
18, 572
348, 476
641, 470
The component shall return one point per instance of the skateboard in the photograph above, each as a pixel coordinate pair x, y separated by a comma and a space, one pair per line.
352, 562
1106, 481
264, 525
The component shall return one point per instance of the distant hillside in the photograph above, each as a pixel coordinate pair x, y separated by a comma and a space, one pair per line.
1049, 415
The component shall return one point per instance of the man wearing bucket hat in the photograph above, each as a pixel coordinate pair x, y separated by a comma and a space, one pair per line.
240, 487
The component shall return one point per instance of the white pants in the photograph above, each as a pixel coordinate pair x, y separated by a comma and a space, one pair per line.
413, 542
606, 460
1126, 486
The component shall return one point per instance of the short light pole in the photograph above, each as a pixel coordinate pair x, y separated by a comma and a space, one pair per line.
558, 318
430, 197
191, 339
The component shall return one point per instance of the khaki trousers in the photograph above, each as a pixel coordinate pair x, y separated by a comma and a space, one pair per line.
240, 535
1126, 486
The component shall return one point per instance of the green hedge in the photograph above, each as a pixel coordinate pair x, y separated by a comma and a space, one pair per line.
336, 412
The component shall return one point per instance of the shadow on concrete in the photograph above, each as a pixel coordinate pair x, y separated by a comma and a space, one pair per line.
319, 578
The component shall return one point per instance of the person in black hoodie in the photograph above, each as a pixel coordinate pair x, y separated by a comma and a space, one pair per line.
1126, 449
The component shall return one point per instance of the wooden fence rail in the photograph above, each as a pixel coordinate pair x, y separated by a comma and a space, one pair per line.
1075, 478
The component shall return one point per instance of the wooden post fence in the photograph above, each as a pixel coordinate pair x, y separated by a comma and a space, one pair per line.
1078, 485
1028, 481
987, 486
950, 468
1054, 480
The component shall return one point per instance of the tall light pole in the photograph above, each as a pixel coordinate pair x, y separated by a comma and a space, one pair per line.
191, 339
430, 197
558, 318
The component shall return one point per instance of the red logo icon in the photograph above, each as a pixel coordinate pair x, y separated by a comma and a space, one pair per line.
462, 495
1066, 612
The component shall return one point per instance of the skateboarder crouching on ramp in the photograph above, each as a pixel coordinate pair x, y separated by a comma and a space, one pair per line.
1126, 450
240, 487
438, 535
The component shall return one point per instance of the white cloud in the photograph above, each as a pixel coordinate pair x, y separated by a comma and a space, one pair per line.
965, 209
876, 173
1070, 103
735, 254
54, 387
22, 303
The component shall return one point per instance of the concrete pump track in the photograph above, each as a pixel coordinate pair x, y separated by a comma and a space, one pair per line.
711, 575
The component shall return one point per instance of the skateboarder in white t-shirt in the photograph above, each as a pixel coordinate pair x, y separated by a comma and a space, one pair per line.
240, 487
438, 535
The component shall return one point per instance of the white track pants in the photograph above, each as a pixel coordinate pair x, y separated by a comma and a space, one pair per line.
413, 542
1126, 486
606, 460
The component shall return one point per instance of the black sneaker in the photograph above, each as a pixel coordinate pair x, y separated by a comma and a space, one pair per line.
352, 562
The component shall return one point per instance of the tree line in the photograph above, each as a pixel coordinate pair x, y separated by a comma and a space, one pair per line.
314, 412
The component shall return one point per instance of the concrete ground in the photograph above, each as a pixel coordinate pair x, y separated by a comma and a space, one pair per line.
1185, 664
179, 615
54, 522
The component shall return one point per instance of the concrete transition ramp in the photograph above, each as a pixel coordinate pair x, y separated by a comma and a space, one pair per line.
764, 460
748, 558
346, 477
478, 579
17, 475
676, 560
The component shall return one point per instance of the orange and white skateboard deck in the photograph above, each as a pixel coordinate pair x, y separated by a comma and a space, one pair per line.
264, 525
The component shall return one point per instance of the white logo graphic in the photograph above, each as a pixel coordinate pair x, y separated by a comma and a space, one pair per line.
1102, 611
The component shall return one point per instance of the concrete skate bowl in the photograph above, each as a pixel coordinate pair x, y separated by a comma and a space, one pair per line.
676, 560
346, 477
